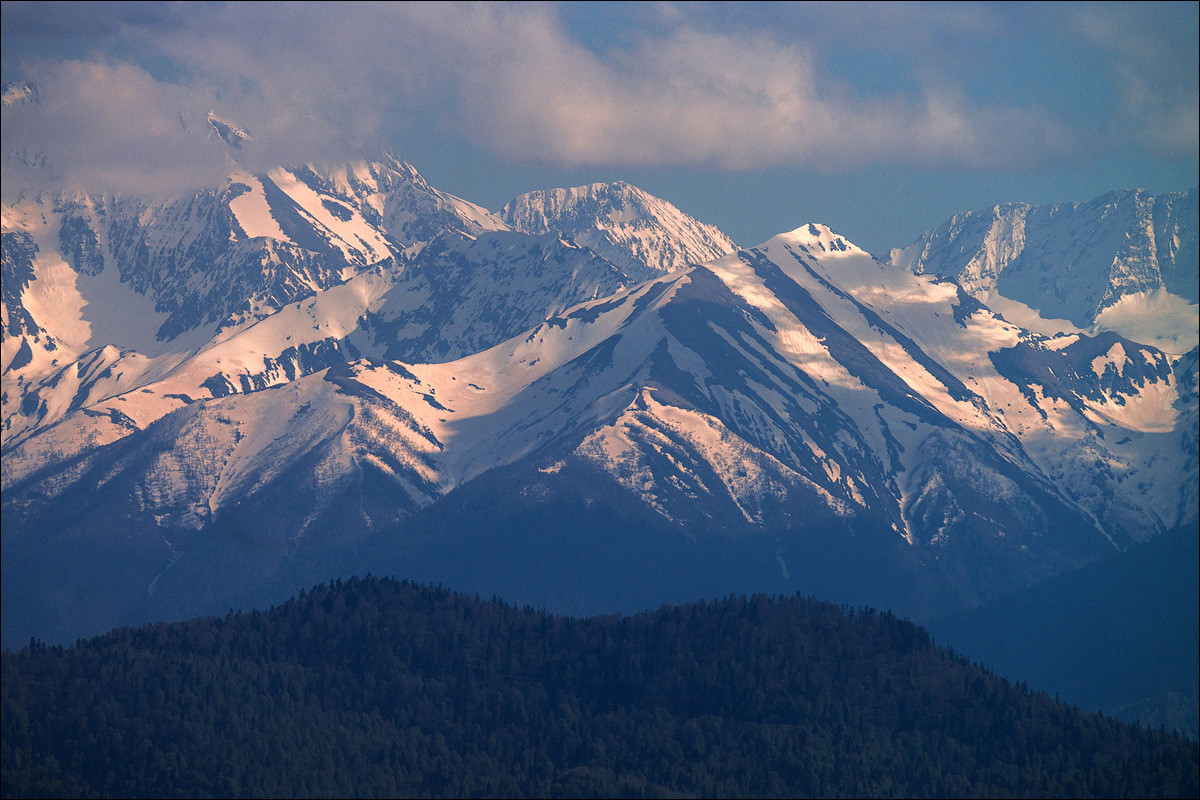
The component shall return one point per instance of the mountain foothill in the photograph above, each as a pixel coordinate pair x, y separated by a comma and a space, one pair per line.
588, 402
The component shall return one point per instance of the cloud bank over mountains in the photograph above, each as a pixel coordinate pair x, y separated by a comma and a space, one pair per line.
123, 92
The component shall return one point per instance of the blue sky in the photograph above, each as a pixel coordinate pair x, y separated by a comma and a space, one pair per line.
880, 120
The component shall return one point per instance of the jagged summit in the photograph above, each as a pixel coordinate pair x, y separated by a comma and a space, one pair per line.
405, 204
642, 234
232, 134
821, 239
1126, 261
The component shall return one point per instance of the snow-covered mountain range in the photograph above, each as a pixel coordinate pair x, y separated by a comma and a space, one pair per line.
213, 400
1124, 262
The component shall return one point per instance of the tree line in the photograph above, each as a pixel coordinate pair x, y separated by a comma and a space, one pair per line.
373, 687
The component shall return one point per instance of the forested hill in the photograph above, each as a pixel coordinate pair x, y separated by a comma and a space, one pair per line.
377, 687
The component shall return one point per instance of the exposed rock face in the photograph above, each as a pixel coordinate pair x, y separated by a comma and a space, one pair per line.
1072, 260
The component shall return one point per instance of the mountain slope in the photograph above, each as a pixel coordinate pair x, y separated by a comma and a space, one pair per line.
642, 234
198, 275
457, 295
217, 259
324, 369
1126, 261
794, 390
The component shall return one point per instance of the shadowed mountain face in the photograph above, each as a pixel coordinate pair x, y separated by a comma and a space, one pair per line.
216, 401
1125, 262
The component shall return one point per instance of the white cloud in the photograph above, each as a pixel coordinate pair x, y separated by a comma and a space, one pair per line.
686, 96
111, 125
1154, 67
314, 82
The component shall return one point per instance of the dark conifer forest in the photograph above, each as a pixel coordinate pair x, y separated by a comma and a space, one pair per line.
375, 687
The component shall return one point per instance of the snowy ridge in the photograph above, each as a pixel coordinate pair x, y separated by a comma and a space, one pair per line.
1089, 263
698, 447
274, 240
888, 359
1093, 416
459, 295
317, 358
641, 234
400, 201
213, 260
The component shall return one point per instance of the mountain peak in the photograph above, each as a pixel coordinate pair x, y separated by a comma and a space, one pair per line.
233, 135
615, 198
1128, 251
816, 237
642, 234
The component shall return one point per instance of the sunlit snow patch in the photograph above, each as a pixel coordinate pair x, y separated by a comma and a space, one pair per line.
1159, 318
633, 448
